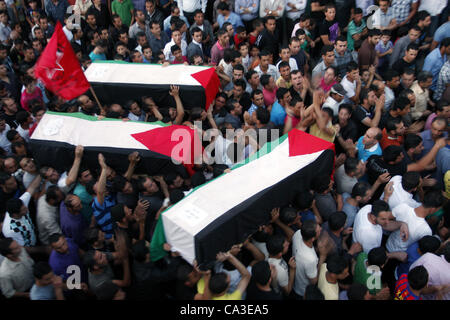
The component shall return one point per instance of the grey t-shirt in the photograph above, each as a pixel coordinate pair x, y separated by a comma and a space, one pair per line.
350, 210
325, 204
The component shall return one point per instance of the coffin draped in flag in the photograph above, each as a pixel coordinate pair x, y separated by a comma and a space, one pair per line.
228, 209
59, 69
118, 82
162, 147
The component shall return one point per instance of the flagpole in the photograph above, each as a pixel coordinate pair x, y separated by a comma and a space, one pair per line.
96, 99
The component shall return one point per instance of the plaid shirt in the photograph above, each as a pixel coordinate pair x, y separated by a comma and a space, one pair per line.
401, 9
384, 18
341, 62
444, 78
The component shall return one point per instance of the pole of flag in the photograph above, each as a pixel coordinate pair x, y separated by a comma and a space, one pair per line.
98, 101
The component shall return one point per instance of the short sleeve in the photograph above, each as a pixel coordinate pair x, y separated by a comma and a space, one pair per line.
311, 270
26, 197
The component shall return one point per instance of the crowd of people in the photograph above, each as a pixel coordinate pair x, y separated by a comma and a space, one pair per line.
375, 81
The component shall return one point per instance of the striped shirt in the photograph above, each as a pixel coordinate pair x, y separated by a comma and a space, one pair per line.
402, 290
102, 214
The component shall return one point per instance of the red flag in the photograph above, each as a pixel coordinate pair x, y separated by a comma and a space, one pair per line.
59, 69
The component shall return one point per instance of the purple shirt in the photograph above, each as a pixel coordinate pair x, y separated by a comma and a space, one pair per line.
60, 262
72, 226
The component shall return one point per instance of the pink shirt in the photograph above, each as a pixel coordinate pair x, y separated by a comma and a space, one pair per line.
429, 121
326, 87
269, 97
295, 120
27, 97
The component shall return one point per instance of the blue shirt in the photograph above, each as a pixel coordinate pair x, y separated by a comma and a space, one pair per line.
442, 32
277, 114
433, 63
42, 293
94, 56
413, 255
60, 262
102, 214
254, 10
233, 18
364, 154
428, 141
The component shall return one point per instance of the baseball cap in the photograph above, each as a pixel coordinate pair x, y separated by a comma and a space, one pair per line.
339, 89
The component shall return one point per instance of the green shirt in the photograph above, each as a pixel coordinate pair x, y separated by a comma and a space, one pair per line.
123, 9
86, 201
353, 29
362, 275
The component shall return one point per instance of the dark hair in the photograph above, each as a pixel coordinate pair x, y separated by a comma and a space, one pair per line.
329, 111
350, 165
374, 32
263, 115
264, 79
360, 189
52, 193
281, 92
175, 196
312, 292
175, 48
308, 229
117, 212
346, 106
401, 103
240, 83
391, 123
255, 92
352, 66
5, 246
336, 263
412, 140
379, 206
91, 235
283, 64
326, 49
377, 257
13, 205
288, 215
364, 94
433, 199
303, 200
119, 183
54, 237
357, 291
218, 282
275, 244
410, 180
140, 250
40, 269
418, 277
261, 272
412, 46
107, 290
390, 74
429, 244
337, 220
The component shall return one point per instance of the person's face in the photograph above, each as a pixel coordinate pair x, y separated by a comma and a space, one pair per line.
124, 38
371, 98
87, 103
418, 150
243, 50
100, 258
172, 113
353, 75
237, 109
10, 165
178, 182
400, 129
135, 109
330, 14
298, 108
47, 279
265, 61
343, 115
103, 35
15, 249
427, 21
198, 36
287, 97
437, 129
242, 35
176, 36
60, 246
3, 70
384, 5
329, 76
375, 39
385, 39
271, 84
4, 54
86, 176
178, 56
427, 83
358, 17
220, 102
341, 47
394, 83
138, 58
176, 12
39, 34
118, 22
369, 139
2, 125
285, 54
230, 30
142, 40
11, 105
238, 91
10, 185
156, 28
148, 54
285, 72
411, 55
121, 50
329, 58
198, 61
294, 47
29, 54
254, 80
413, 35
37, 45
271, 25
258, 100
253, 52
149, 7
4, 18
285, 247
91, 19
199, 19
150, 186
383, 218
28, 165
52, 175
444, 113
238, 74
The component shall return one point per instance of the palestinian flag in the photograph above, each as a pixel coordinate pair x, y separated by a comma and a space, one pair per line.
162, 147
118, 82
228, 209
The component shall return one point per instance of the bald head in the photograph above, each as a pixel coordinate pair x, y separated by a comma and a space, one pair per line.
371, 138
10, 165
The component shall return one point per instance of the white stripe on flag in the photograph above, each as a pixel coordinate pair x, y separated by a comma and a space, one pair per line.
192, 214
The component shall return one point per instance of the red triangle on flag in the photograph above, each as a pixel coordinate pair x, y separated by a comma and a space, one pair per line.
177, 142
301, 143
210, 82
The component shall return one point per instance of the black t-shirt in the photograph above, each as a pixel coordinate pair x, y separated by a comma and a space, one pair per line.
401, 65
330, 28
253, 293
359, 115
385, 118
184, 292
301, 60
350, 131
10, 120
377, 166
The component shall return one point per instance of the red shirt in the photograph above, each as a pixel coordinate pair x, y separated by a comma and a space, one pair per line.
295, 120
180, 62
387, 141
27, 97
402, 290
237, 40
252, 39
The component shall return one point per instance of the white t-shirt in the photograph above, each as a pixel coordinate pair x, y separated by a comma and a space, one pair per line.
292, 64
365, 232
333, 105
5, 144
282, 273
400, 195
24, 133
350, 87
6, 229
306, 260
417, 227
262, 247
344, 182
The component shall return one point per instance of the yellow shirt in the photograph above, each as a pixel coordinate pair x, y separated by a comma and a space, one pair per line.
288, 83
447, 184
330, 291
236, 295
315, 131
